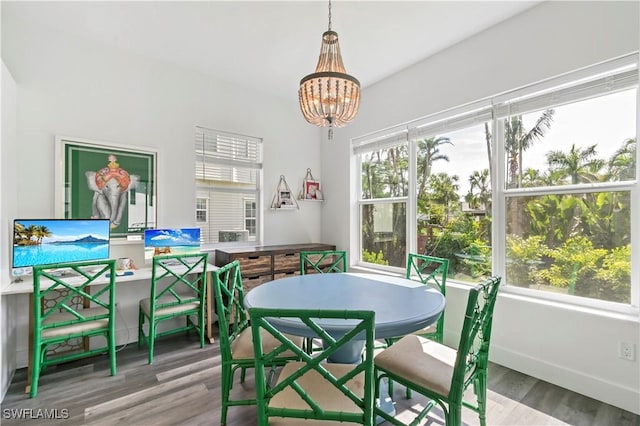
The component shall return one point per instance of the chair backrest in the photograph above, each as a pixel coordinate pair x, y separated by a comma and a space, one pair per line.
69, 292
429, 270
473, 349
358, 326
229, 298
325, 261
183, 277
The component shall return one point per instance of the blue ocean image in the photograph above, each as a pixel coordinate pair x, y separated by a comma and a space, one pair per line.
171, 241
49, 241
50, 253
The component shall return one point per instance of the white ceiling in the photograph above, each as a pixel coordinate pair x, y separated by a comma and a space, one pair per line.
269, 45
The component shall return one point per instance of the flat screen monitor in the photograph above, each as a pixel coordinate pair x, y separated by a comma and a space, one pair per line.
158, 242
50, 241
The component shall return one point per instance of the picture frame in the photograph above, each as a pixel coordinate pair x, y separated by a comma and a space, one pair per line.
312, 190
286, 200
106, 181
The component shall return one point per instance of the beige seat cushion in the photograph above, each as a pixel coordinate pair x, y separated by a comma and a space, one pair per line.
145, 305
427, 330
242, 347
324, 393
422, 361
75, 328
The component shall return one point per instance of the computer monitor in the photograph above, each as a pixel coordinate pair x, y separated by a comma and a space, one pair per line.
158, 242
51, 241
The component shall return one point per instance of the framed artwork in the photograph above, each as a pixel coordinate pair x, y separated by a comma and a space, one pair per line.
106, 181
311, 187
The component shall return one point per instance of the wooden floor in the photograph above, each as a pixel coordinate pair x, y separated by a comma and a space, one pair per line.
182, 387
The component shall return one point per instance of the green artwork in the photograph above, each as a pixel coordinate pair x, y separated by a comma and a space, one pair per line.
110, 183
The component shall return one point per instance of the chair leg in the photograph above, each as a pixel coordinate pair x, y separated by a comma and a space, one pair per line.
480, 390
226, 389
112, 351
454, 416
140, 325
35, 368
201, 327
151, 339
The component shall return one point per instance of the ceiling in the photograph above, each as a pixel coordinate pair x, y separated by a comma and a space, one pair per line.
269, 46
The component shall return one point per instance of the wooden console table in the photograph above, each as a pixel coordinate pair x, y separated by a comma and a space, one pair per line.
266, 263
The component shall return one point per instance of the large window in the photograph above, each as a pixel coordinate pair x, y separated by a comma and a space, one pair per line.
228, 176
537, 185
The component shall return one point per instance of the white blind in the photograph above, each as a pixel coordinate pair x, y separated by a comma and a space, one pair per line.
380, 140
226, 156
554, 97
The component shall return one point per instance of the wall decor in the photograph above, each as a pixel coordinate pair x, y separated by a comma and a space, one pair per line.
106, 181
311, 188
284, 197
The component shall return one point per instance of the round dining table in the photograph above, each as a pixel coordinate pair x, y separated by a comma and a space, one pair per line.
401, 306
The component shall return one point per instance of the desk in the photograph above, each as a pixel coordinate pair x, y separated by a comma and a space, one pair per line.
25, 286
401, 306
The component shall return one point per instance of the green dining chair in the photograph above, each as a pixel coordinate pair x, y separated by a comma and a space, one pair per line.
178, 289
236, 344
431, 271
443, 374
323, 261
65, 308
312, 389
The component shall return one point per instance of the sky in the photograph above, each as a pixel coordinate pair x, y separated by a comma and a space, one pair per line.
606, 121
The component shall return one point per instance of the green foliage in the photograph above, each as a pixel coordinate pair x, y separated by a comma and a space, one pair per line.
377, 258
524, 259
615, 275
576, 259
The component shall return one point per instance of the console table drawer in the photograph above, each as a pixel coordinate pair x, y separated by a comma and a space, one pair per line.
254, 265
285, 274
286, 261
249, 283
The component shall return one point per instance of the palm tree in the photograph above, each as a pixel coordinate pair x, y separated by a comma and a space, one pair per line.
444, 190
518, 139
622, 164
480, 190
428, 153
579, 164
42, 232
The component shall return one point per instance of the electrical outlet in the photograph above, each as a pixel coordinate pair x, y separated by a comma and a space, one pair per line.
628, 351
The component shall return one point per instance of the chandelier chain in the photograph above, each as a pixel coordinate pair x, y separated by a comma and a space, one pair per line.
329, 15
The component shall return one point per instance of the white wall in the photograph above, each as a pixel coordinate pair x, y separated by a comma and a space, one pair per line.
72, 87
573, 348
7, 210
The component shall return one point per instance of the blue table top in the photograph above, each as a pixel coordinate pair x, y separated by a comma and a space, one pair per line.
401, 306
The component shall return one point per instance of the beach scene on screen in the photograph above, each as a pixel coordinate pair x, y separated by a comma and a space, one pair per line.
159, 242
49, 241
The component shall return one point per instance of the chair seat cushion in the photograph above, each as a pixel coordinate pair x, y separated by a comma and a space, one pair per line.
145, 305
421, 361
79, 327
242, 347
320, 390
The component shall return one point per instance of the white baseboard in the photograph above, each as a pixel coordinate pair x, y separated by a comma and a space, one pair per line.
577, 381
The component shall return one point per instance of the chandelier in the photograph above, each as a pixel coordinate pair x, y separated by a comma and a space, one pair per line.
329, 97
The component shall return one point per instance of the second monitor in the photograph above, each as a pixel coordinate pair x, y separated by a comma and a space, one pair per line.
158, 242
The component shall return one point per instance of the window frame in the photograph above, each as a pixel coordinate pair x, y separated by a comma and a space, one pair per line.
238, 154
598, 80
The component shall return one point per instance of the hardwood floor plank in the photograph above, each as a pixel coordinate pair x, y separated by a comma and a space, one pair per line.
183, 385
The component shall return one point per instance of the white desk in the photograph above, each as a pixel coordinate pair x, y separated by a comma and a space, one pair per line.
25, 286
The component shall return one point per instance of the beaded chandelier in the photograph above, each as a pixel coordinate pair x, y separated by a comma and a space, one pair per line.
329, 97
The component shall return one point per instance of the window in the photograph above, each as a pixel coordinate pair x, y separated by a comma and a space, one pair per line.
228, 177
250, 217
536, 185
202, 208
